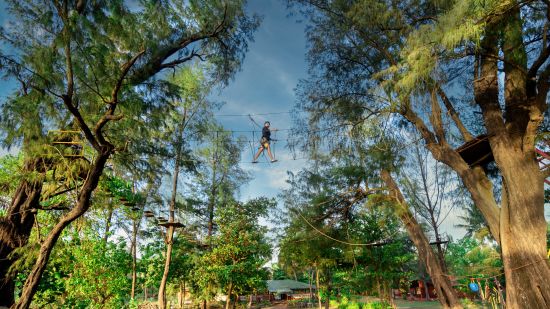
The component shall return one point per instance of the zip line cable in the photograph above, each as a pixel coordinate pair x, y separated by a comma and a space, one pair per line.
379, 242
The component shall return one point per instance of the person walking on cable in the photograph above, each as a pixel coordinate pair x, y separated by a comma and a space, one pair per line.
265, 143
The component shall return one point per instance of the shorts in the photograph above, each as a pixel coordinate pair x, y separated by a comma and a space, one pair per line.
264, 142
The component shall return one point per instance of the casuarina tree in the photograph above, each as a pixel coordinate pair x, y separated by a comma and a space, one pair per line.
412, 59
95, 67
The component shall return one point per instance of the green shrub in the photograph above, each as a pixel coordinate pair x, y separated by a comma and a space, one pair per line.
376, 305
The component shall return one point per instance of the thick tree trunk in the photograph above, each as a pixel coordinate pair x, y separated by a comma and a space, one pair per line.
16, 227
83, 203
522, 225
445, 292
523, 235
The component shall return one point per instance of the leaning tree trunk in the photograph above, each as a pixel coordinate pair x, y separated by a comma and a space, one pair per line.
83, 204
16, 227
445, 292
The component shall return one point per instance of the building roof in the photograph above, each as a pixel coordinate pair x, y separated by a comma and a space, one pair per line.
286, 286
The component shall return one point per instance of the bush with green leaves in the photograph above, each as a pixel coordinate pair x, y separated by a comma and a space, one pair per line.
87, 273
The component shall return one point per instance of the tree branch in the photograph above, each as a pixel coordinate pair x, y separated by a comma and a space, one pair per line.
179, 61
466, 135
109, 114
155, 64
436, 119
125, 69
486, 84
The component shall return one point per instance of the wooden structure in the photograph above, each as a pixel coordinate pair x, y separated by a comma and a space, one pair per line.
69, 139
477, 151
148, 214
174, 224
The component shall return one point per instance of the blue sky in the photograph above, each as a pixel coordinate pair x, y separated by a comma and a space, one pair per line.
271, 70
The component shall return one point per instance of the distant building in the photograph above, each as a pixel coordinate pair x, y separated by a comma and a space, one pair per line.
289, 289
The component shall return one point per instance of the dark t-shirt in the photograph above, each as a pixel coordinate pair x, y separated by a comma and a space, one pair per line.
266, 133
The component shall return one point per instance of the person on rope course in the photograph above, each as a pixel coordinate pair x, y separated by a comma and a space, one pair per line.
265, 143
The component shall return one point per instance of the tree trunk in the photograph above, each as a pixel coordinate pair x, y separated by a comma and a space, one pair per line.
327, 300
378, 288
16, 227
522, 225
426, 292
445, 292
211, 204
162, 287
183, 304
108, 224
134, 258
318, 287
170, 233
229, 293
523, 237
83, 203
310, 281
181, 295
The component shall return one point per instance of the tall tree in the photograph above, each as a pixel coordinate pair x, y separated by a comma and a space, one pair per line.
240, 249
91, 65
219, 174
427, 188
406, 58
192, 105
329, 229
